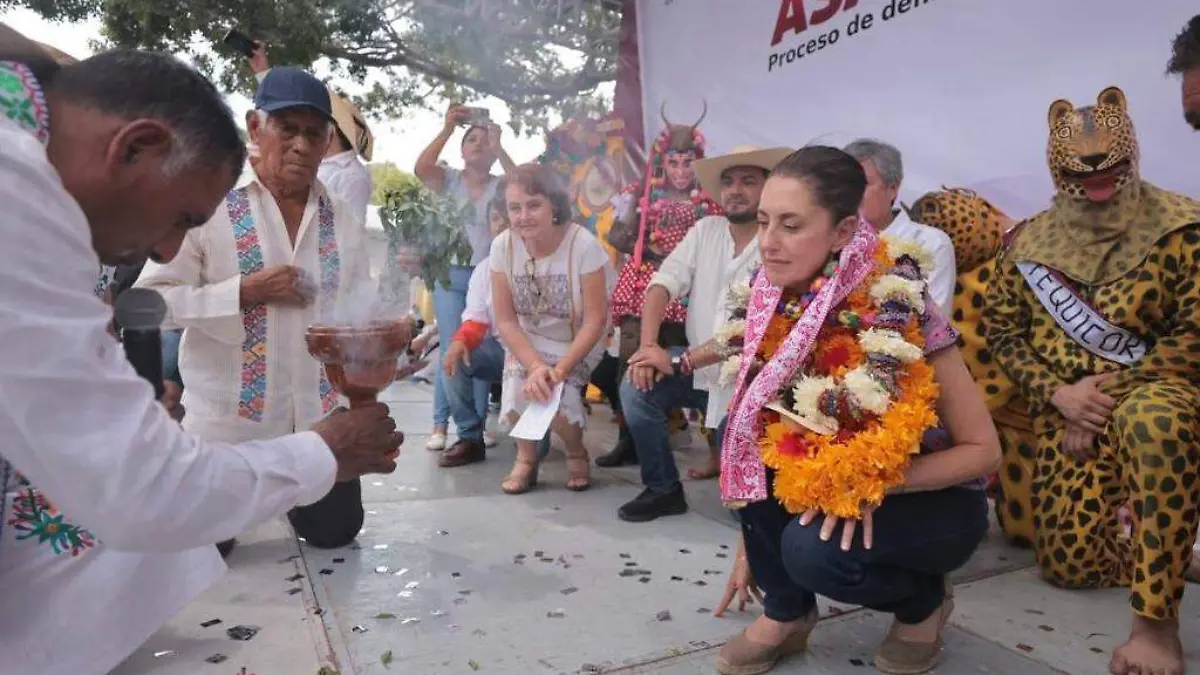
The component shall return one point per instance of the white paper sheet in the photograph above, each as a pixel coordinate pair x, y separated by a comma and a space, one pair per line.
536, 419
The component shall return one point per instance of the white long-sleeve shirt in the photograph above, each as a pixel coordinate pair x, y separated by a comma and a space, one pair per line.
703, 266
135, 494
347, 180
202, 288
938, 244
479, 297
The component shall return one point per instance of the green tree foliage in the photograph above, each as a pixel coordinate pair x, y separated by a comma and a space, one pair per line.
386, 178
538, 56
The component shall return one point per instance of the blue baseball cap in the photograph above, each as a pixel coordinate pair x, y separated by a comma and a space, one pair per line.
289, 87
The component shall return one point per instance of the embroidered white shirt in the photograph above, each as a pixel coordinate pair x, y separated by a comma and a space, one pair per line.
944, 272
84, 429
703, 266
202, 288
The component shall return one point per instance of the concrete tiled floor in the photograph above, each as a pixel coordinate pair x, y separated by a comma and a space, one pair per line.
451, 576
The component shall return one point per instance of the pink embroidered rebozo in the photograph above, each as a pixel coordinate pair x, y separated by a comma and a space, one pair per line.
743, 475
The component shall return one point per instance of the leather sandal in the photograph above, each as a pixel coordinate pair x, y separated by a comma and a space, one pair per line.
743, 656
900, 657
518, 483
579, 474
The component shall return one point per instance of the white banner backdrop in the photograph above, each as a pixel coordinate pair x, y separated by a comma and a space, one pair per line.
961, 87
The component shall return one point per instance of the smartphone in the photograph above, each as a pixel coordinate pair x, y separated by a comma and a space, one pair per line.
240, 43
477, 116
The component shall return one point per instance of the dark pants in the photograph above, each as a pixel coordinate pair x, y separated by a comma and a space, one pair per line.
334, 520
607, 378
646, 417
919, 538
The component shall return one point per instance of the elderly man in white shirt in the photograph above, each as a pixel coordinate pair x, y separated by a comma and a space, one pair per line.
885, 172
280, 254
108, 510
342, 171
718, 252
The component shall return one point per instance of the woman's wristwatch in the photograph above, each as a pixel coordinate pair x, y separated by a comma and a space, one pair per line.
681, 365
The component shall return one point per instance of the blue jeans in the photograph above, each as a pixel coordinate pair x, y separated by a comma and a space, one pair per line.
487, 366
646, 416
170, 350
919, 538
448, 305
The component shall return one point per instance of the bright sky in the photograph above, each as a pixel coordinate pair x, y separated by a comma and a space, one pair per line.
398, 141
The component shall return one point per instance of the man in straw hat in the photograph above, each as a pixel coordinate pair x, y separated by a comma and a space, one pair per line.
717, 253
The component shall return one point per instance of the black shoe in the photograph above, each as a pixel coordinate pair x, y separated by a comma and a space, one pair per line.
224, 547
650, 505
624, 454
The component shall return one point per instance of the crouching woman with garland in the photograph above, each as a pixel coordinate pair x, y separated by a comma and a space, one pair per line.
857, 441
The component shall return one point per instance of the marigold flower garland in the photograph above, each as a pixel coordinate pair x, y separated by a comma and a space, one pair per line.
844, 430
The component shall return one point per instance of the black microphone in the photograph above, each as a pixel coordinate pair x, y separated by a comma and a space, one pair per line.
140, 313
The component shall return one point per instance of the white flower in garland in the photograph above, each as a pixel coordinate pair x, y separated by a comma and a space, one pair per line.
909, 291
728, 331
807, 395
739, 294
900, 247
890, 343
868, 391
729, 372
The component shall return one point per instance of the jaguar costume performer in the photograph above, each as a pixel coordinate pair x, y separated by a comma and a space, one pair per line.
977, 229
1094, 313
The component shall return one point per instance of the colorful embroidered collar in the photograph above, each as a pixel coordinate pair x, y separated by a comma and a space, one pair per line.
22, 100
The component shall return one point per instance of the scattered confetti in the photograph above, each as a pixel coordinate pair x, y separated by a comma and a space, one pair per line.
474, 664
293, 591
722, 555
290, 558
329, 670
242, 633
411, 619
210, 623
339, 560
217, 658
589, 668
384, 615
1048, 629
401, 573
377, 483
701, 583
724, 547
464, 591
569, 590
556, 614
404, 594
1096, 650
372, 513
437, 612
577, 556
412, 584
631, 564
165, 653
382, 569
539, 554
704, 610
359, 629
1024, 647
326, 571
386, 659
644, 580
627, 572
317, 611
453, 628
547, 560
642, 573
625, 555
676, 578
455, 575
380, 547
684, 551
712, 572
857, 662
664, 615
459, 601
1036, 612
295, 577
443, 532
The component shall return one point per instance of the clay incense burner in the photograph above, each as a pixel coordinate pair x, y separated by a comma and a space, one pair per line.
360, 361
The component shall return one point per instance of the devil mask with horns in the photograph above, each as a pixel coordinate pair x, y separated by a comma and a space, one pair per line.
677, 146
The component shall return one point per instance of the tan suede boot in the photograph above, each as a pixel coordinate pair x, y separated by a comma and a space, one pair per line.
743, 656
